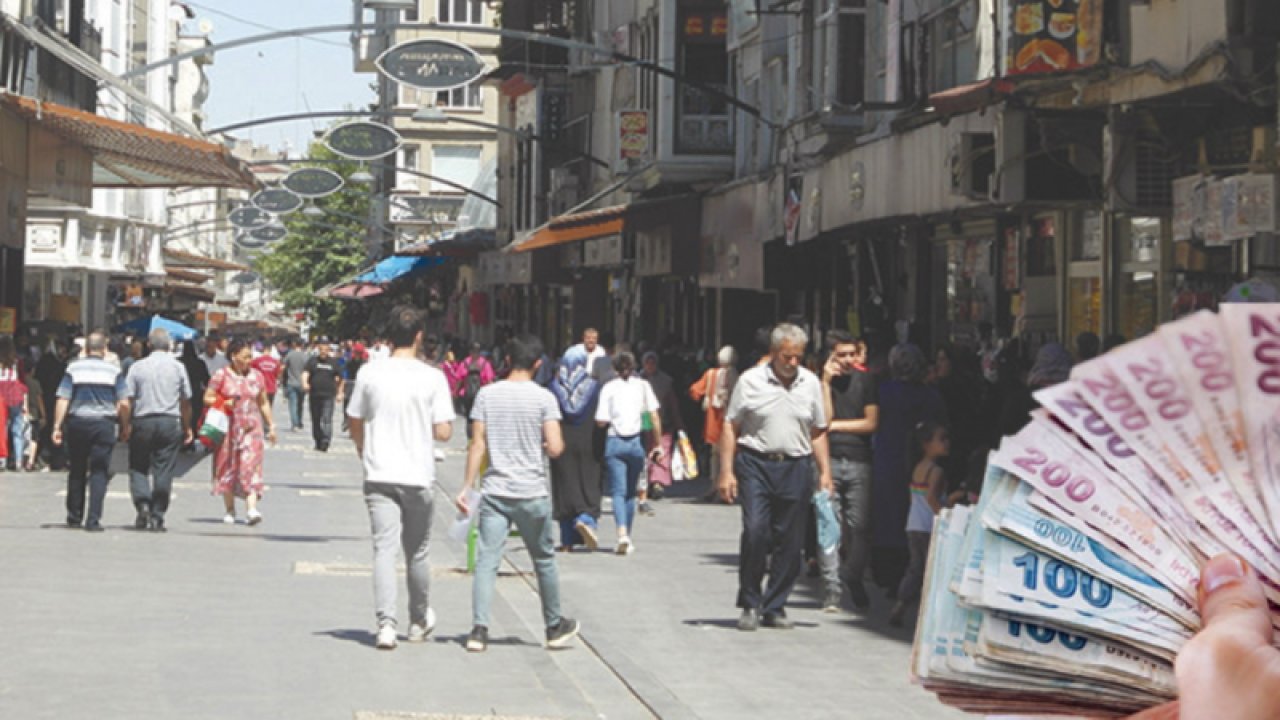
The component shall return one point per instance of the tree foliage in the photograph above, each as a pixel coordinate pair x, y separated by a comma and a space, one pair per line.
321, 251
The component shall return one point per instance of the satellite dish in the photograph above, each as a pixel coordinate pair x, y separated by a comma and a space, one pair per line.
205, 26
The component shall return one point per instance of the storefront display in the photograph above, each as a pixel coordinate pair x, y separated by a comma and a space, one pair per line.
971, 286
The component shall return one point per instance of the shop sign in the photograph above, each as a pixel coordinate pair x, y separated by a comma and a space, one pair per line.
313, 182
363, 140
44, 238
633, 137
249, 217
248, 242
1248, 206
269, 233
1048, 38
278, 201
602, 252
431, 64
653, 252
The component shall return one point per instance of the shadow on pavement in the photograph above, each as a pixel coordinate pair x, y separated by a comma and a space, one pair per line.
360, 637
730, 559
732, 624
510, 640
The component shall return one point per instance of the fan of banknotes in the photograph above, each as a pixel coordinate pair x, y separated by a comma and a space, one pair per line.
1071, 585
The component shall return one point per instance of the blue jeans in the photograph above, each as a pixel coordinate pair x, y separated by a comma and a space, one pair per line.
17, 435
532, 518
623, 463
295, 397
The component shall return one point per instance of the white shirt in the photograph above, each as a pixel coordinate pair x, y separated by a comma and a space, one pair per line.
623, 404
400, 401
215, 363
774, 418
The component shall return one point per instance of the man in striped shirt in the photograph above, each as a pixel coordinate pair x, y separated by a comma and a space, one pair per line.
92, 398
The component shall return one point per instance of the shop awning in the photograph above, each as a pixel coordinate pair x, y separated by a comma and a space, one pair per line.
183, 259
586, 225
126, 155
394, 268
188, 290
455, 243
187, 276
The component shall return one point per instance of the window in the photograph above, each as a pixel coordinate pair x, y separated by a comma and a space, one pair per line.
458, 164
953, 54
702, 118
851, 52
460, 12
466, 97
406, 96
407, 159
411, 15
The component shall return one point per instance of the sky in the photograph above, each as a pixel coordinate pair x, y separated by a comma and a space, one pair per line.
282, 76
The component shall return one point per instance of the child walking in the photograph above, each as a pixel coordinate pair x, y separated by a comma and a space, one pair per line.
929, 445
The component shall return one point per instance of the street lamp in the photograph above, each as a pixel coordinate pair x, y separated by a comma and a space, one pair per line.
362, 176
313, 211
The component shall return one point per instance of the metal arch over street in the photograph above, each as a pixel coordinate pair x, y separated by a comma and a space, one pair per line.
378, 165
477, 29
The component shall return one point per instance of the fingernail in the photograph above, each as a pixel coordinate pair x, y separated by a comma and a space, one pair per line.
1222, 571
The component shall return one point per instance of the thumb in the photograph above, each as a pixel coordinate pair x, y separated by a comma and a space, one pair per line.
1232, 602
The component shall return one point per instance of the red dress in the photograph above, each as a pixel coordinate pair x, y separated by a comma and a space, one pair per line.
237, 463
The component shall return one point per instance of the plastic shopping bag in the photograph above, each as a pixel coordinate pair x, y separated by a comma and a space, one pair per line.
688, 457
215, 425
679, 473
462, 522
828, 524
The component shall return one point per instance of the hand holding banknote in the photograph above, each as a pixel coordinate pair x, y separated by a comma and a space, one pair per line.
1229, 670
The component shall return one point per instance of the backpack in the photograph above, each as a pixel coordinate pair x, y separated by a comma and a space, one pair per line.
473, 382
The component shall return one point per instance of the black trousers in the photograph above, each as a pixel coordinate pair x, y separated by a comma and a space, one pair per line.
153, 450
89, 444
322, 420
775, 498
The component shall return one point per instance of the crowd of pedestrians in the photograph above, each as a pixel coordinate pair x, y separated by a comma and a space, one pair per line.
809, 436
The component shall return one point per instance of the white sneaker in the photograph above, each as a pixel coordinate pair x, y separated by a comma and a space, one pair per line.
625, 547
253, 518
229, 519
386, 638
419, 633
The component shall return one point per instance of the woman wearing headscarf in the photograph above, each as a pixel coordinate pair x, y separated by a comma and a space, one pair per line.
1052, 366
905, 402
713, 390
576, 474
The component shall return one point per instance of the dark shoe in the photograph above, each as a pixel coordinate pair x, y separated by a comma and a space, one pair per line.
831, 602
656, 492
157, 524
478, 640
94, 527
749, 621
73, 523
143, 520
562, 634
897, 614
858, 595
777, 621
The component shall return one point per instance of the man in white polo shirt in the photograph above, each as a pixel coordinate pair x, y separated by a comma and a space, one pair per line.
775, 432
400, 407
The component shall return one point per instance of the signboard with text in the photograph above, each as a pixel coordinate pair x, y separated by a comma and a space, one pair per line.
277, 200
313, 182
633, 137
1053, 36
249, 217
363, 140
431, 64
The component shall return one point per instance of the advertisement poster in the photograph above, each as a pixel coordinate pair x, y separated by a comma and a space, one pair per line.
1048, 36
633, 135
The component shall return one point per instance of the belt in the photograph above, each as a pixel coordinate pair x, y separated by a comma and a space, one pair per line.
770, 456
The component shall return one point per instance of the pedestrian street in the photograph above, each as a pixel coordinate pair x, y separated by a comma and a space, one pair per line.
218, 621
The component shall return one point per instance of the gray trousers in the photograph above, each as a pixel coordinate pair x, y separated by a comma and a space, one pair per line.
153, 453
400, 518
853, 507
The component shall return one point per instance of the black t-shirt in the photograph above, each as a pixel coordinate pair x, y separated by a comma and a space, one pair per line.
324, 377
850, 396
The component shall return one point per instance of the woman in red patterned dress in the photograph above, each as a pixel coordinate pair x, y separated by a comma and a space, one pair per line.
237, 463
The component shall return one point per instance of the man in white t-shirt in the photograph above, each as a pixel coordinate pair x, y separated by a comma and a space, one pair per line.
399, 409
516, 422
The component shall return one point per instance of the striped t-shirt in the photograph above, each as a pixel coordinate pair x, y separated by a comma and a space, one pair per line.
513, 414
93, 386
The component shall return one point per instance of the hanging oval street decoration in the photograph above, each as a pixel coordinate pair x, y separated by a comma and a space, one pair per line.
277, 200
249, 217
313, 182
363, 140
245, 278
247, 242
431, 64
269, 233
